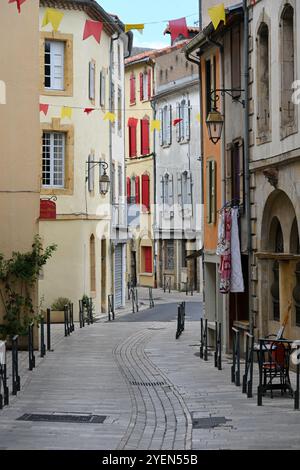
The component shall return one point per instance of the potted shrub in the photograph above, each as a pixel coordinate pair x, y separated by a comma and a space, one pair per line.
57, 310
18, 277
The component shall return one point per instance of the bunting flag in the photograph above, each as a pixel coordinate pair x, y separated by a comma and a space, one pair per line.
66, 112
54, 17
155, 125
88, 110
44, 108
110, 117
177, 28
93, 28
19, 3
198, 117
217, 14
139, 27
177, 121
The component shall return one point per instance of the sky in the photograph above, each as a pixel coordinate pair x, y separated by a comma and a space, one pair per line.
158, 11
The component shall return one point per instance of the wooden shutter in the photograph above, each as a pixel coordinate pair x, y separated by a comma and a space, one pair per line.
169, 125
128, 182
242, 174
171, 190
188, 121
161, 139
132, 89
92, 80
137, 190
148, 258
91, 173
162, 190
102, 88
146, 193
141, 86
145, 137
57, 54
213, 191
178, 116
132, 139
208, 191
149, 84
228, 172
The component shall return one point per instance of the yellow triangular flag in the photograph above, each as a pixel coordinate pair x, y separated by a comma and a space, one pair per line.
198, 117
217, 14
66, 112
54, 17
140, 27
110, 117
155, 125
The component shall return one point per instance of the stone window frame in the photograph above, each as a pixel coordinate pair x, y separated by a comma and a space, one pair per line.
263, 136
68, 130
68, 63
287, 129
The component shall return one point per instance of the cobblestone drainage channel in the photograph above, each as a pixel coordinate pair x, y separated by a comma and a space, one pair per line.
148, 384
209, 423
63, 418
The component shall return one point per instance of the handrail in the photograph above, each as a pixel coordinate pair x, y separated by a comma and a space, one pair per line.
236, 359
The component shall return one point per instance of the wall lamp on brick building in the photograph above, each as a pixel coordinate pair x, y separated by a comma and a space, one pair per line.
104, 181
215, 120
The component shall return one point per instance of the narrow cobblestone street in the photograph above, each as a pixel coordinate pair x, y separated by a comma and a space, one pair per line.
148, 386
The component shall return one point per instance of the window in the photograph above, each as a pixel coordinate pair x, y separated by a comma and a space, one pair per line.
146, 193
132, 89
145, 136
54, 65
145, 85
183, 129
92, 264
120, 110
147, 259
235, 172
287, 67
211, 191
132, 125
236, 60
210, 82
92, 77
91, 173
169, 255
102, 88
263, 92
120, 182
165, 134
186, 190
167, 190
53, 159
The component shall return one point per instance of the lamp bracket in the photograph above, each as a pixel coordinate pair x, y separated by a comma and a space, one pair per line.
226, 91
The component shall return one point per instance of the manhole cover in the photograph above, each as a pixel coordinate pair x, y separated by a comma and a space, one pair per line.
148, 384
209, 423
63, 418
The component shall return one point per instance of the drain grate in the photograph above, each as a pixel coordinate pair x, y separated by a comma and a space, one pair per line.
209, 423
148, 384
63, 418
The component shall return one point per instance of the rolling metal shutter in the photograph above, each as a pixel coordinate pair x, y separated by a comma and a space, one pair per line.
118, 276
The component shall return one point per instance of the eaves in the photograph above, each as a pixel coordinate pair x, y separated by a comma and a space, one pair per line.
175, 88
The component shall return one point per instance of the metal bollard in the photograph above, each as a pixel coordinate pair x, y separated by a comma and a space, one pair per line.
31, 347
42, 337
48, 329
16, 381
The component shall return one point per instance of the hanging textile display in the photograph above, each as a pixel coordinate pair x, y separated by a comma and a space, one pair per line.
221, 234
225, 265
237, 280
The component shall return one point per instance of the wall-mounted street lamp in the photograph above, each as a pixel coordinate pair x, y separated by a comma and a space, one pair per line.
215, 120
104, 181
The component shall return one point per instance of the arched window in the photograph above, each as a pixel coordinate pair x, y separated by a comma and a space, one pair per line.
263, 80
294, 241
92, 264
287, 66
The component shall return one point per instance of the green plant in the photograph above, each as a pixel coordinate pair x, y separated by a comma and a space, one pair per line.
18, 276
59, 304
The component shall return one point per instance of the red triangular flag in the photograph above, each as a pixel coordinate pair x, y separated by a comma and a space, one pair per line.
19, 3
44, 108
177, 121
88, 110
177, 28
93, 28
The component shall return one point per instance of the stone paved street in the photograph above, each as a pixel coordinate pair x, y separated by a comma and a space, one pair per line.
149, 387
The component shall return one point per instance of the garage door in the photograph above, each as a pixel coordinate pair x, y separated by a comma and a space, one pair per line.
118, 276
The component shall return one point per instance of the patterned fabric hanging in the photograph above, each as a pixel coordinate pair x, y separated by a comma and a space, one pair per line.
225, 265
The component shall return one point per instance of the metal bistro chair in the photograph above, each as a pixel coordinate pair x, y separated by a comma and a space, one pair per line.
275, 366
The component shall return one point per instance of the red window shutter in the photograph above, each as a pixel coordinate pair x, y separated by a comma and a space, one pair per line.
128, 190
132, 89
137, 190
149, 84
148, 259
132, 140
141, 86
146, 193
145, 137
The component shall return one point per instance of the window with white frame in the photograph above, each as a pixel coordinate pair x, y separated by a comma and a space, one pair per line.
183, 129
167, 189
186, 185
165, 115
54, 65
53, 165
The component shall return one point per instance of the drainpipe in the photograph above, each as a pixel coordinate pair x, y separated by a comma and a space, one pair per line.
153, 105
246, 156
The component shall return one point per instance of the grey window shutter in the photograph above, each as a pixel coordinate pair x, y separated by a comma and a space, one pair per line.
208, 193
91, 81
169, 124
179, 188
189, 188
90, 174
178, 116
188, 121
213, 191
161, 127
242, 186
102, 88
162, 190
171, 190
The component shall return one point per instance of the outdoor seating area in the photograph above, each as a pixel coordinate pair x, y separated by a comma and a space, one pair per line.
272, 365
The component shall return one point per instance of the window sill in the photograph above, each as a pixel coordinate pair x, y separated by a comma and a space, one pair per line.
132, 104
56, 192
146, 274
46, 92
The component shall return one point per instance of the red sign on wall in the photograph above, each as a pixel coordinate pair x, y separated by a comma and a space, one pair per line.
47, 209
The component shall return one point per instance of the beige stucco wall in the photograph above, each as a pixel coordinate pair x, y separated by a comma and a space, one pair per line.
19, 130
68, 274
